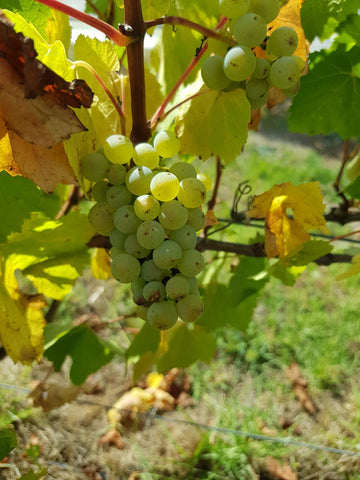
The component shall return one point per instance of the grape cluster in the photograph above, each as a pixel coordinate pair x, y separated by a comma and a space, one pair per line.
239, 67
151, 214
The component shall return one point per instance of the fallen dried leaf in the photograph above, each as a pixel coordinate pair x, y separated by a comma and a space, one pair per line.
53, 393
300, 384
284, 472
112, 437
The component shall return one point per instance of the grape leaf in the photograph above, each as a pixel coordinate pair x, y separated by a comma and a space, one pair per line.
333, 75
100, 264
35, 13
214, 123
88, 353
349, 30
58, 28
7, 441
284, 235
154, 8
147, 340
354, 269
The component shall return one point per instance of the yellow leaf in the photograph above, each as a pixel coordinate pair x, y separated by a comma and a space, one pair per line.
100, 264
153, 379
210, 219
284, 235
353, 270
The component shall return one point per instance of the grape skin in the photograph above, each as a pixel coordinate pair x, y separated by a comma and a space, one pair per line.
191, 263
284, 72
173, 215
151, 272
125, 219
94, 167
282, 42
145, 155
150, 234
177, 287
99, 190
138, 180
190, 308
182, 170
162, 315
167, 255
212, 72
118, 149
166, 143
146, 207
192, 192
268, 9
185, 237
250, 30
125, 268
262, 68
239, 63
164, 186
233, 8
196, 219
154, 292
117, 196
101, 217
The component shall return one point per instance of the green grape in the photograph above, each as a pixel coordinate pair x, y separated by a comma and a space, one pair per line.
165, 186
284, 73
137, 285
193, 285
118, 149
125, 219
154, 292
250, 30
116, 174
146, 207
133, 247
292, 91
268, 9
259, 102
192, 192
141, 312
117, 196
183, 170
138, 180
177, 287
162, 315
145, 155
196, 219
190, 308
212, 72
94, 167
233, 8
150, 234
125, 268
191, 263
239, 63
205, 179
167, 255
151, 272
300, 62
256, 89
138, 297
99, 190
282, 42
185, 237
173, 215
166, 144
117, 239
101, 217
262, 68
116, 251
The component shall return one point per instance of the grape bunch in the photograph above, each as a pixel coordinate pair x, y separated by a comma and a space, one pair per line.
239, 67
151, 214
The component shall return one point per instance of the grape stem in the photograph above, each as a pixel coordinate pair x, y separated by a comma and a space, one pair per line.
219, 171
160, 111
207, 32
115, 35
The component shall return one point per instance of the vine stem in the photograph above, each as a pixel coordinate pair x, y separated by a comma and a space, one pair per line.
160, 111
345, 235
115, 35
219, 171
118, 108
184, 22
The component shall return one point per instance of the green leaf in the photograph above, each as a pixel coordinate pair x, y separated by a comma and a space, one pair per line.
248, 279
154, 8
88, 353
329, 98
147, 340
8, 442
316, 14
349, 31
215, 123
31, 10
22, 198
186, 345
354, 189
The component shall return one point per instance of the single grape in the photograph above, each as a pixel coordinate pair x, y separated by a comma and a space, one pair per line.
165, 186
177, 287
138, 180
183, 170
94, 167
250, 30
233, 8
116, 174
212, 72
268, 9
196, 219
154, 292
137, 285
141, 312
256, 89
145, 155
166, 143
117, 196
190, 308
99, 190
146, 207
193, 285
185, 237
118, 149
151, 272
239, 63
133, 247
167, 255
125, 219
173, 215
101, 217
284, 72
125, 268
205, 179
192, 192
116, 251
162, 315
259, 102
150, 234
138, 297
191, 263
117, 238
262, 68
282, 42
